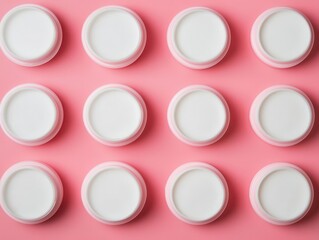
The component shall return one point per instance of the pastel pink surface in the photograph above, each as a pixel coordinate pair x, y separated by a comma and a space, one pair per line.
157, 76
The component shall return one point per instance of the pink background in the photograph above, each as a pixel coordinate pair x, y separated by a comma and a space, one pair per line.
157, 77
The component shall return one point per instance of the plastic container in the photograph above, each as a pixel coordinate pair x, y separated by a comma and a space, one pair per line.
282, 37
31, 114
198, 37
198, 115
114, 36
113, 193
30, 192
115, 115
30, 35
196, 193
282, 115
281, 193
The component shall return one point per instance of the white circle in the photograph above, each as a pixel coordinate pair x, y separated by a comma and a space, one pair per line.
113, 35
285, 35
281, 193
28, 33
29, 194
28, 114
113, 114
285, 194
198, 114
196, 194
284, 115
113, 194
200, 35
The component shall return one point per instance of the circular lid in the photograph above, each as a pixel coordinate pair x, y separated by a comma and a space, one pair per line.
28, 114
281, 193
282, 115
115, 115
197, 193
114, 36
28, 193
198, 115
113, 193
284, 36
28, 34
199, 37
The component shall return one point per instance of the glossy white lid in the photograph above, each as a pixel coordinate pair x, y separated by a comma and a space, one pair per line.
113, 193
31, 114
196, 193
115, 115
30, 35
282, 37
198, 115
114, 36
281, 193
198, 37
282, 115
30, 192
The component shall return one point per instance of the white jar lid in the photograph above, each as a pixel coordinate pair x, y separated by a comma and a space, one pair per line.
198, 115
281, 193
30, 35
113, 193
196, 193
31, 114
114, 36
282, 115
115, 115
30, 192
198, 37
282, 37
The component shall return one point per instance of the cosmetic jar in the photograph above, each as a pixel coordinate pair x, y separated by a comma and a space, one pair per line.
31, 114
198, 37
282, 115
196, 193
115, 115
30, 35
114, 36
30, 192
282, 37
113, 193
281, 193
198, 115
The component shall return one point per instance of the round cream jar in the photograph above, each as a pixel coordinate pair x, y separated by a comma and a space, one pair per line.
282, 37
115, 115
198, 37
281, 193
30, 35
196, 193
31, 114
114, 36
30, 192
113, 193
198, 115
282, 115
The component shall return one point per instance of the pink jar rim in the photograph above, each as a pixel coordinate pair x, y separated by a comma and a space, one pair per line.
119, 142
49, 54
256, 182
107, 166
54, 129
171, 115
257, 45
174, 177
179, 56
257, 126
124, 62
49, 172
